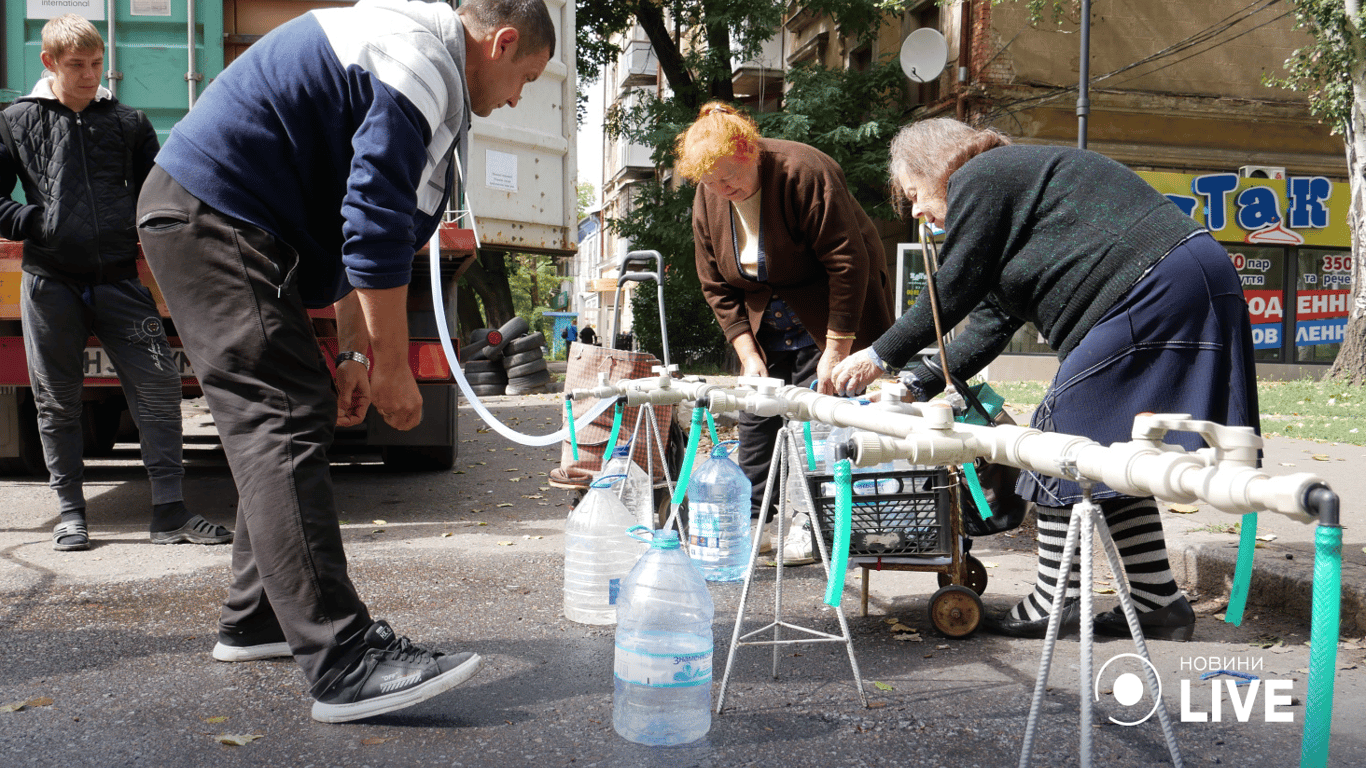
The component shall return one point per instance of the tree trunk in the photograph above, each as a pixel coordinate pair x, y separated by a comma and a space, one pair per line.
467, 309
488, 277
1350, 364
650, 17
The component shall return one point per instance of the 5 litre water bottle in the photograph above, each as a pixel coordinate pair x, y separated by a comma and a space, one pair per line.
718, 504
636, 492
598, 553
662, 672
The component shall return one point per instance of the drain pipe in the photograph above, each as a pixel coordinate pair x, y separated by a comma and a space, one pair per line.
113, 75
192, 77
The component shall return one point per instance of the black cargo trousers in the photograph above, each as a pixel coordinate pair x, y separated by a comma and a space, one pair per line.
229, 287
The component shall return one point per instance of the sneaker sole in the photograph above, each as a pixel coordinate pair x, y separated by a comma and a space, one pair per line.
341, 713
223, 652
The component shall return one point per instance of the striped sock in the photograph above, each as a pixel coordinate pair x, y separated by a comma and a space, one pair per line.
1136, 527
1052, 535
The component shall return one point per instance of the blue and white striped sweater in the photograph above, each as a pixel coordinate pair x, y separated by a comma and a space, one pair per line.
322, 134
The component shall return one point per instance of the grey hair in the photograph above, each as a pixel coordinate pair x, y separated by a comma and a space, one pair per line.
530, 18
933, 149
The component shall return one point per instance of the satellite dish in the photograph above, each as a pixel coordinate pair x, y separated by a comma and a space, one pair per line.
923, 54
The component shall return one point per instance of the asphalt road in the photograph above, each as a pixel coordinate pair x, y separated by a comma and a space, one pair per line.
110, 647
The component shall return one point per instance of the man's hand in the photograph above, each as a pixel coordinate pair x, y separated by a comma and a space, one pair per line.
855, 373
353, 393
396, 397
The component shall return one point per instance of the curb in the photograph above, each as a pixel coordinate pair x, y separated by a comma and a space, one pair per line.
1282, 579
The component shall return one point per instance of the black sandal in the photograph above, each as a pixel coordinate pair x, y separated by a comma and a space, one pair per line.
196, 531
76, 534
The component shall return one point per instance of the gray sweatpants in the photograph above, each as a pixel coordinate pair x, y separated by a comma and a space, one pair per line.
58, 319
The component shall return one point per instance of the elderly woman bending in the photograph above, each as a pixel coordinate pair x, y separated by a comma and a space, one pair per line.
1142, 306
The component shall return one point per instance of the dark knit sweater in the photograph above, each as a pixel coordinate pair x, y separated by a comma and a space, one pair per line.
1048, 235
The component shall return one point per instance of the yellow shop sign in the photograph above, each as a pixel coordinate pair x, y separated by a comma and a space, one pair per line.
1300, 210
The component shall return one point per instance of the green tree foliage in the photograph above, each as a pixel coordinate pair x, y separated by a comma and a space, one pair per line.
849, 115
1324, 68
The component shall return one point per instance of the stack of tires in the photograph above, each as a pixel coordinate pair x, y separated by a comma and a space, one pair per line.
506, 360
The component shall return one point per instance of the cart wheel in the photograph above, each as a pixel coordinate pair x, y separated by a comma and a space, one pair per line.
977, 577
956, 611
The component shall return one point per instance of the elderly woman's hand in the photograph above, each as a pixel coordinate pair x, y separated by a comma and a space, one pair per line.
855, 373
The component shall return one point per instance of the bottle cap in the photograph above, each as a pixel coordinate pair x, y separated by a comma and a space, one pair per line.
665, 540
622, 449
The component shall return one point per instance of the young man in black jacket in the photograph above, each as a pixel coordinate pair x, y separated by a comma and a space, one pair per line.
81, 157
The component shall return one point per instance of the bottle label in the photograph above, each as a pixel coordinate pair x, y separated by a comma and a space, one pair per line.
663, 670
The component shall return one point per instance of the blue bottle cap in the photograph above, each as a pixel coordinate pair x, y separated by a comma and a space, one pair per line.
665, 540
623, 449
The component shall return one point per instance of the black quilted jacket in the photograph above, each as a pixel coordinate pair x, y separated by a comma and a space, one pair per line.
81, 173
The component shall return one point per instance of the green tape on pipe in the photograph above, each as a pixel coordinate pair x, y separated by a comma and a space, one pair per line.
1242, 572
844, 513
685, 473
975, 488
612, 438
573, 434
810, 449
1323, 646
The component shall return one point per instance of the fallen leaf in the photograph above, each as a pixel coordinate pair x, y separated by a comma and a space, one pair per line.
1267, 537
219, 719
941, 647
447, 535
481, 522
989, 564
380, 522
13, 706
882, 686
909, 637
504, 543
1183, 509
514, 479
1287, 463
458, 472
1322, 457
373, 740
876, 704
505, 504
1105, 590
236, 739
899, 627
891, 620
378, 530
532, 537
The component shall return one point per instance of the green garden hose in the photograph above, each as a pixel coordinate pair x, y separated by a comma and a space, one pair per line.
685, 473
612, 438
1323, 646
1242, 572
569, 420
844, 512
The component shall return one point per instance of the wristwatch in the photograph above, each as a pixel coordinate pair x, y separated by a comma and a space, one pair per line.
351, 355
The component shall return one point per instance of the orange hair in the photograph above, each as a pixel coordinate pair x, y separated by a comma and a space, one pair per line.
720, 131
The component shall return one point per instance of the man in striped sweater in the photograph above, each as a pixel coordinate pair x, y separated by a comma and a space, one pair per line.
308, 174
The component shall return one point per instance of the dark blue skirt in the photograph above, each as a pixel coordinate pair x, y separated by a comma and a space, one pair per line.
1180, 341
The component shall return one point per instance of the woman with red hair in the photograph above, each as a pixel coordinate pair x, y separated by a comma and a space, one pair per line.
789, 261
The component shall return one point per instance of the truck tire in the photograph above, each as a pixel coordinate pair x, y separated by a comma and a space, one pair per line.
488, 390
527, 343
481, 366
525, 385
526, 369
486, 379
472, 350
418, 458
479, 334
521, 358
509, 331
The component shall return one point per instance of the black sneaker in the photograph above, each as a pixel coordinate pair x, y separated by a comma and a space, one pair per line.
387, 674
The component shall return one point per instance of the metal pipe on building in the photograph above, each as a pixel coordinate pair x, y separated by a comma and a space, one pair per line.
1084, 81
111, 57
191, 76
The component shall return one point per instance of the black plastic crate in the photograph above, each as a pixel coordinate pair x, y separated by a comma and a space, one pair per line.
912, 520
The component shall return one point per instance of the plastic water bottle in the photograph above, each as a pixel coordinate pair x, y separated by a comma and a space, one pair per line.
598, 553
718, 504
662, 672
636, 491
